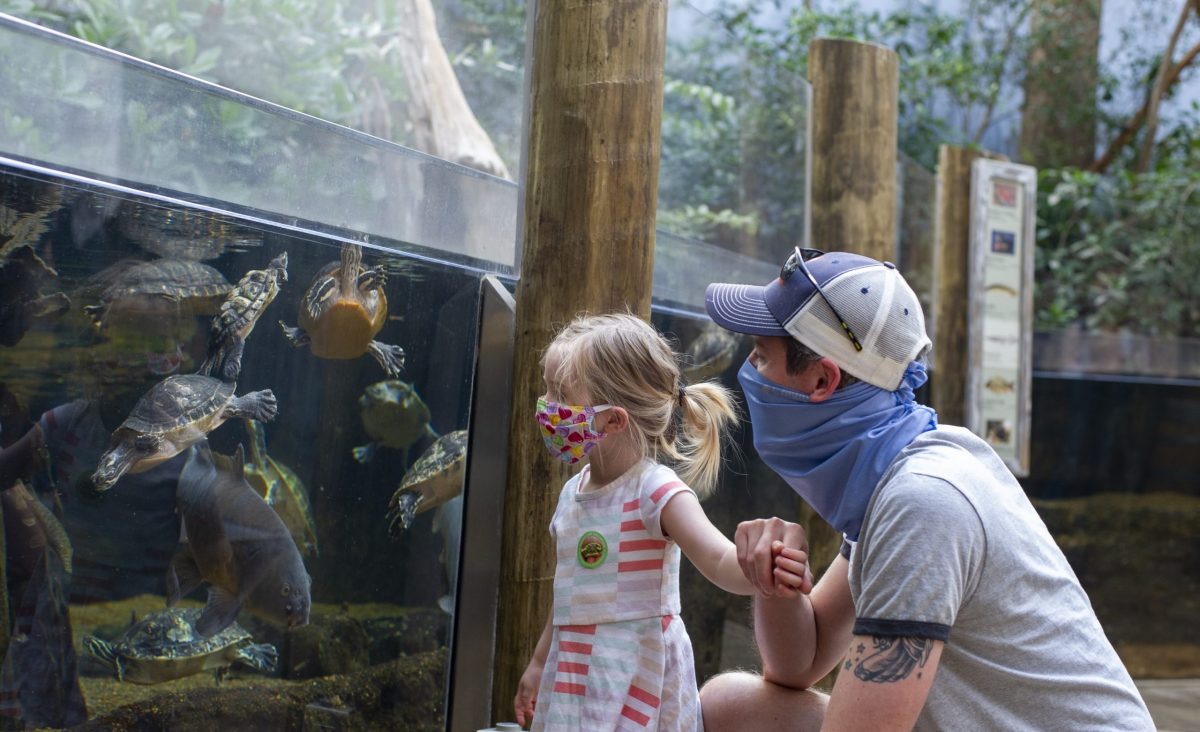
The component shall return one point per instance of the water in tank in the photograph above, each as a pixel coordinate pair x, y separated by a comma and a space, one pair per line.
233, 459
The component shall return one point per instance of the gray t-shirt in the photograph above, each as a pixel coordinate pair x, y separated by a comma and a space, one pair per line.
951, 549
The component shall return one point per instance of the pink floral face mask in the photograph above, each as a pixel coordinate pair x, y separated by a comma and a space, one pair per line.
568, 429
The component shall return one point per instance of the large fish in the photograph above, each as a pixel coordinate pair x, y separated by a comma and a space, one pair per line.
238, 545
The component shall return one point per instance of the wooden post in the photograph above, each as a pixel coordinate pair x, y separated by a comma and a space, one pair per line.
590, 191
854, 111
948, 378
855, 88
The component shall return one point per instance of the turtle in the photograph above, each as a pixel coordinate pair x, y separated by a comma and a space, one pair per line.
394, 415
282, 489
243, 306
434, 479
165, 645
710, 353
181, 233
22, 302
175, 413
342, 310
160, 287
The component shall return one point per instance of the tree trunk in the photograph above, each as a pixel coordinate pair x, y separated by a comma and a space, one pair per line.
590, 191
443, 124
1058, 122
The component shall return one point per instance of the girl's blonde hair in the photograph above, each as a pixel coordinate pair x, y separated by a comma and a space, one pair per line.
622, 360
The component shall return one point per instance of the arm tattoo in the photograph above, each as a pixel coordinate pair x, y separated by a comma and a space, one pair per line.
890, 659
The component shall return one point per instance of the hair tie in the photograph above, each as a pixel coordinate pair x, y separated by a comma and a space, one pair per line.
682, 393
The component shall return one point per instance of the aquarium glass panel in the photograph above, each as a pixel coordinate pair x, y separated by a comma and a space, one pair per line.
735, 128
84, 109
233, 463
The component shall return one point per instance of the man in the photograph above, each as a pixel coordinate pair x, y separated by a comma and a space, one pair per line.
950, 607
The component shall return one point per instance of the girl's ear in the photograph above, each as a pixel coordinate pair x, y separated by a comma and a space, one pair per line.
613, 420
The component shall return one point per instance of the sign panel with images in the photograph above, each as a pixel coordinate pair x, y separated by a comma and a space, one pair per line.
1000, 317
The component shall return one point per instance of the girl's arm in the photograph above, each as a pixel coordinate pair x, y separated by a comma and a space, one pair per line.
711, 551
526, 699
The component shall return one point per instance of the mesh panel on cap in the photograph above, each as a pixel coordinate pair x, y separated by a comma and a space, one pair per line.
858, 296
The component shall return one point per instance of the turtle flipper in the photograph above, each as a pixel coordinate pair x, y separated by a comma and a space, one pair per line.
364, 453
372, 279
219, 613
314, 300
259, 656
297, 336
260, 405
100, 649
391, 358
224, 360
183, 577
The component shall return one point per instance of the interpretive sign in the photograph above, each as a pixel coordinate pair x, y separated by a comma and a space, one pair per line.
1000, 314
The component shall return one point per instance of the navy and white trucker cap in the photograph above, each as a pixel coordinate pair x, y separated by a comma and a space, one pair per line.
874, 299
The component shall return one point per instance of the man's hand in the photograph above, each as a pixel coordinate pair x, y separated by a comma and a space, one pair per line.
767, 545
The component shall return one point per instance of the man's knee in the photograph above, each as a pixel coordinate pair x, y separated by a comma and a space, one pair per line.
744, 701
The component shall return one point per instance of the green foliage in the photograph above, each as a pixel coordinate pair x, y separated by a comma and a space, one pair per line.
1118, 253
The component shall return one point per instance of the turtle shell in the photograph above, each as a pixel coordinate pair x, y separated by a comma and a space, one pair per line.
246, 300
444, 455
176, 279
183, 234
178, 401
434, 479
171, 634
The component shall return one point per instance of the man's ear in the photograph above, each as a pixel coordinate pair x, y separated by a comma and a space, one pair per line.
613, 420
829, 375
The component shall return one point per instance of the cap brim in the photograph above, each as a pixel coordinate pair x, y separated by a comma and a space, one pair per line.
742, 309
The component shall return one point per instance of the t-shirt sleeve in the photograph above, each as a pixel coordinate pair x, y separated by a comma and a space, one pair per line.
920, 553
658, 487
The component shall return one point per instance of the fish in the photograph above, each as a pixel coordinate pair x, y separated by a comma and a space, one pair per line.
237, 545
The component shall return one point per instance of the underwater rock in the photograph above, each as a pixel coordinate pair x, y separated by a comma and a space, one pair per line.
405, 694
328, 645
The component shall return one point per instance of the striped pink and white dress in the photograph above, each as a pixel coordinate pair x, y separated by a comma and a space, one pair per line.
620, 658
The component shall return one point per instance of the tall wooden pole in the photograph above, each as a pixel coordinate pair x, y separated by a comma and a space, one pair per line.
590, 191
855, 88
948, 379
854, 111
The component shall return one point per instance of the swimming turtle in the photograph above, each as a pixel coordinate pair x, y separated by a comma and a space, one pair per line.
164, 646
342, 310
394, 415
282, 489
181, 233
177, 412
710, 354
22, 273
434, 479
242, 308
160, 287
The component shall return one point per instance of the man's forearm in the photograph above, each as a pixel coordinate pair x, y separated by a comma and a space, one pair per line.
786, 634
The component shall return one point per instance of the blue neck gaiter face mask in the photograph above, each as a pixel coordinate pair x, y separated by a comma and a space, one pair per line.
833, 453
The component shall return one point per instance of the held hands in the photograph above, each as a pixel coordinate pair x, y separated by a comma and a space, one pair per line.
773, 554
527, 689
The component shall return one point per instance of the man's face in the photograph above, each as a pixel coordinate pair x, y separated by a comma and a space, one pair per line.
769, 358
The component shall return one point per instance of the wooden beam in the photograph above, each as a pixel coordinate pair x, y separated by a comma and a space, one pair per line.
948, 377
855, 91
590, 192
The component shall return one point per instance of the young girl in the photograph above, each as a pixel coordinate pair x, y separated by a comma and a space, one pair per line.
614, 653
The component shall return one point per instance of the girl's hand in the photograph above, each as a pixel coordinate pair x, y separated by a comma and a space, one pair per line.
526, 699
791, 571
